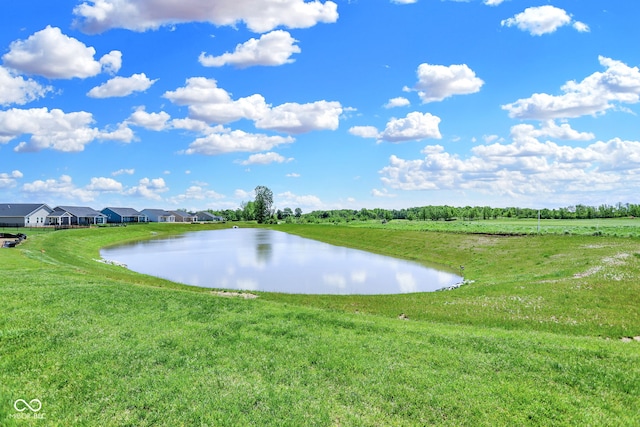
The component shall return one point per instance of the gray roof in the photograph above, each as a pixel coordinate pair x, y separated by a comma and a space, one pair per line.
157, 212
205, 213
77, 211
125, 211
20, 209
209, 215
182, 214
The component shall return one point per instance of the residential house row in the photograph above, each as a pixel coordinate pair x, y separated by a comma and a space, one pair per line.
41, 215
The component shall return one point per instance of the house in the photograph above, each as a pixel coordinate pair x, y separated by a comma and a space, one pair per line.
184, 216
24, 214
208, 216
123, 215
158, 215
75, 215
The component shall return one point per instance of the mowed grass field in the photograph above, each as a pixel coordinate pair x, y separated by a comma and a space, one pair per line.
614, 227
542, 336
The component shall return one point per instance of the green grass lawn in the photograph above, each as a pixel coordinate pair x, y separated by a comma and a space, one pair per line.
615, 227
534, 340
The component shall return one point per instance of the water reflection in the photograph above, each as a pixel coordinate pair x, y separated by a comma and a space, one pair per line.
263, 246
406, 282
272, 261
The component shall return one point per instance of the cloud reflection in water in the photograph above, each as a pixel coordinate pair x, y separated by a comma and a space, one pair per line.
273, 261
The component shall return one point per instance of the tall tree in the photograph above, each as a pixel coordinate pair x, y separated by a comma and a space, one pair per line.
262, 204
248, 211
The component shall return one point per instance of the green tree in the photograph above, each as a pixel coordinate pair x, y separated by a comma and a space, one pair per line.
248, 211
263, 203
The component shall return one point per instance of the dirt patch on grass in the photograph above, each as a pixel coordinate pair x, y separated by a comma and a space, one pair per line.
479, 241
594, 246
615, 261
244, 295
589, 272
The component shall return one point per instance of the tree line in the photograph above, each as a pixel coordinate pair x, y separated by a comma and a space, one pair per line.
248, 211
470, 213
252, 211
261, 210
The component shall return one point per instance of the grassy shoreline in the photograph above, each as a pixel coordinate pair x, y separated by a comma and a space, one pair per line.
582, 285
535, 340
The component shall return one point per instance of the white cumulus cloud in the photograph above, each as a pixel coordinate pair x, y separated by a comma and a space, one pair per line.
235, 141
307, 202
198, 90
542, 20
104, 185
55, 129
581, 27
148, 188
595, 94
154, 121
122, 86
265, 159
17, 90
271, 49
194, 125
195, 192
51, 54
59, 188
111, 62
526, 168
365, 131
243, 194
211, 104
8, 180
397, 102
437, 82
415, 126
48, 128
493, 2
121, 134
251, 108
382, 193
300, 118
123, 172
549, 129
261, 16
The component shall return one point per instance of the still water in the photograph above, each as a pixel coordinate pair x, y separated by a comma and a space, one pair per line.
273, 261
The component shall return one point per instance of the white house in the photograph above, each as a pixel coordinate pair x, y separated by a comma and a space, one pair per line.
75, 215
208, 216
158, 215
24, 214
183, 216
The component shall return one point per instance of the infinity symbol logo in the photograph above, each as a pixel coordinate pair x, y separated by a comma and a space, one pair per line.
21, 405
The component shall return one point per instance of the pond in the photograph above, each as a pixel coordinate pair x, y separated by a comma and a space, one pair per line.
253, 259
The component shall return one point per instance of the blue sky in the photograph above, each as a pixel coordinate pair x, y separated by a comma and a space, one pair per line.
331, 104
